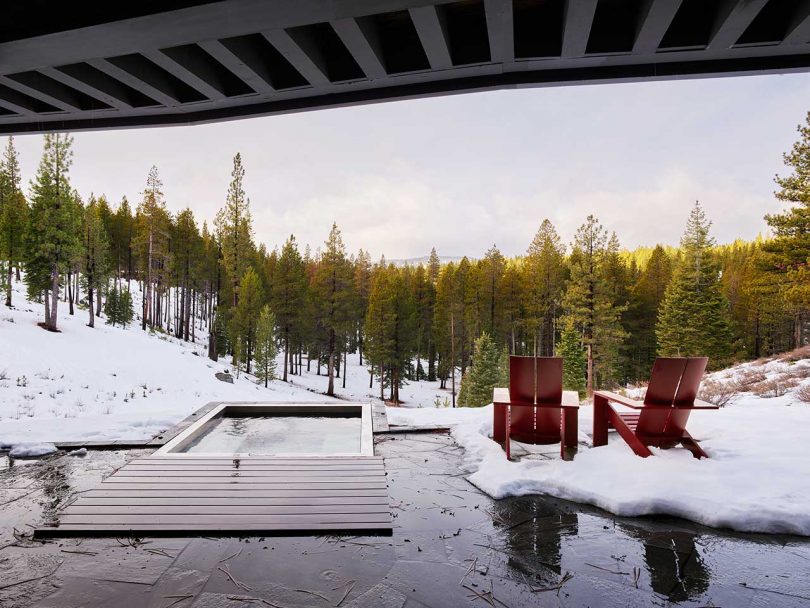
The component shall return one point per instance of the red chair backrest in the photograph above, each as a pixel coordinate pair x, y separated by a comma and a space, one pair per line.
673, 381
521, 379
549, 379
535, 380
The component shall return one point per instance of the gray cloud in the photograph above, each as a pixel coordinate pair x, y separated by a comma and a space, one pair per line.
463, 172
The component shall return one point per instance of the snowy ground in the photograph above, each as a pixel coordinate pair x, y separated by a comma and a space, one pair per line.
756, 479
108, 383
111, 383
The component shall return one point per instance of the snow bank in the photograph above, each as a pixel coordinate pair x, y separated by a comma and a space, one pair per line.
31, 450
756, 479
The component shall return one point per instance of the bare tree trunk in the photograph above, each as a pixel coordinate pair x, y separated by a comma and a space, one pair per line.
54, 297
71, 278
92, 322
589, 389
453, 358
47, 308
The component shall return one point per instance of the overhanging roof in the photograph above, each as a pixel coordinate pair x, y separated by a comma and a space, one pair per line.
71, 67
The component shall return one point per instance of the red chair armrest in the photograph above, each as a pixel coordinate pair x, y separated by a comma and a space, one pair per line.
616, 398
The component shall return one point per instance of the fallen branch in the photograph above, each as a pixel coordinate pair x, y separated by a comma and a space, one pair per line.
315, 593
227, 572
606, 569
230, 556
178, 598
349, 586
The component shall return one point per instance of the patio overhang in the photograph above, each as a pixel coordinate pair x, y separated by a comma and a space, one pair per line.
64, 67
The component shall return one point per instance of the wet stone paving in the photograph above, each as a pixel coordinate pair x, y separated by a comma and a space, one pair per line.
451, 546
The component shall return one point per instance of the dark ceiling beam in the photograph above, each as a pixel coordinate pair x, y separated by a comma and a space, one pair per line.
151, 85
500, 29
41, 87
577, 22
243, 61
194, 79
363, 43
432, 31
798, 32
656, 17
302, 53
733, 19
216, 20
16, 102
105, 92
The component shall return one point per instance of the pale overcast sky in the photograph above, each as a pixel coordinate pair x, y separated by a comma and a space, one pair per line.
463, 172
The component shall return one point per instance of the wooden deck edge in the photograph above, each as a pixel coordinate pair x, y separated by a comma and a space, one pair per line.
69, 531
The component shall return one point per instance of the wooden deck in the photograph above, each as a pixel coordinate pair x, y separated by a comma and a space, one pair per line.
257, 495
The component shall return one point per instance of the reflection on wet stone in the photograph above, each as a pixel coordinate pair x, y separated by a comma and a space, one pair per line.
452, 546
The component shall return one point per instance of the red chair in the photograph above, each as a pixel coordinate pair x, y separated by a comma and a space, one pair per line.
535, 409
660, 421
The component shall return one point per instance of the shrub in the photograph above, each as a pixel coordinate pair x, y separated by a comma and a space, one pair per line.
774, 387
718, 392
803, 393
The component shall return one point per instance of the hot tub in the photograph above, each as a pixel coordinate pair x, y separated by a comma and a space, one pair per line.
278, 429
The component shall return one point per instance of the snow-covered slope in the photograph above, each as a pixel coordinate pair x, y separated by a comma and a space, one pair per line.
107, 383
104, 382
755, 480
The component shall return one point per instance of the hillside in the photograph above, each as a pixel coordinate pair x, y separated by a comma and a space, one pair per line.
108, 383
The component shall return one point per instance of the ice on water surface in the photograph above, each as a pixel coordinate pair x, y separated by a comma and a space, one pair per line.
280, 435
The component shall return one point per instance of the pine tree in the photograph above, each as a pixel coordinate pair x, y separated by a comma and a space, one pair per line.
266, 346
484, 374
52, 240
151, 237
645, 299
791, 246
694, 316
545, 279
235, 228
245, 315
112, 307
332, 287
96, 246
13, 215
390, 328
590, 303
574, 360
125, 313
288, 295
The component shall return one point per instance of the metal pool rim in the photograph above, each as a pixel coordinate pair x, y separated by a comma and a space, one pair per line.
260, 408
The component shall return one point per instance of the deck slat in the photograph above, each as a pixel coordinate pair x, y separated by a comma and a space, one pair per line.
228, 508
242, 501
285, 474
194, 527
186, 519
185, 495
235, 492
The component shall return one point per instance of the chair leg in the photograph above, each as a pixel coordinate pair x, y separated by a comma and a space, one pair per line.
569, 433
507, 440
629, 436
693, 446
601, 412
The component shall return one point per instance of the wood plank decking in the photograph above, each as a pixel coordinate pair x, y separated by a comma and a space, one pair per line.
267, 495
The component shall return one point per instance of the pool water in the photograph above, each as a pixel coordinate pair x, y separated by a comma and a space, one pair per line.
279, 434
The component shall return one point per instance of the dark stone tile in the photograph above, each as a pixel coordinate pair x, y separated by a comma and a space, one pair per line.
85, 593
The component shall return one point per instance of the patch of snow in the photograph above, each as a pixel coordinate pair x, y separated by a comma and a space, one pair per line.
754, 481
32, 450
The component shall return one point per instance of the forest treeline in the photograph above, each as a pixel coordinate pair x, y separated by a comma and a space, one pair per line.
608, 311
